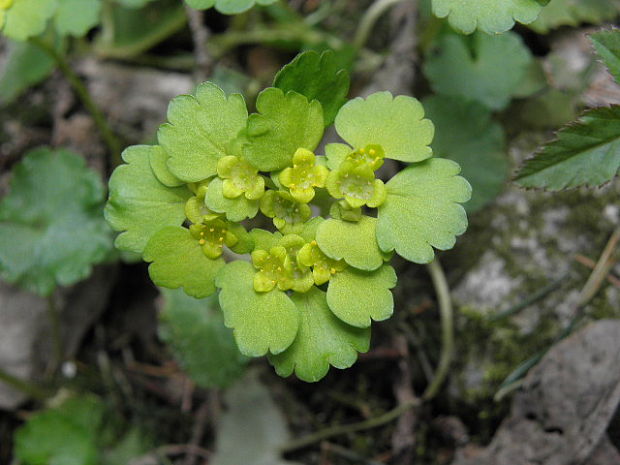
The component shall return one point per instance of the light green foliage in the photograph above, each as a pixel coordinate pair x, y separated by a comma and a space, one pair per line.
573, 12
262, 322
467, 134
489, 72
317, 76
490, 16
26, 18
195, 331
140, 205
76, 17
358, 297
25, 65
252, 429
585, 153
285, 123
236, 209
423, 210
66, 435
607, 45
228, 7
51, 228
158, 158
322, 340
396, 124
195, 273
266, 162
353, 242
201, 130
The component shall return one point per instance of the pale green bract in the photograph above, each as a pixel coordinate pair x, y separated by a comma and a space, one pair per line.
26, 18
140, 205
308, 292
322, 340
491, 16
423, 210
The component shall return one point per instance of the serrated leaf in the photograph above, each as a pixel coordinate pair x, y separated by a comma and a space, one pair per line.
358, 297
397, 124
235, 209
585, 153
423, 210
355, 243
66, 435
467, 134
139, 205
158, 159
76, 17
283, 124
265, 240
194, 330
322, 340
317, 76
178, 261
27, 18
574, 12
201, 130
254, 421
490, 72
228, 7
262, 322
51, 228
25, 65
607, 44
491, 16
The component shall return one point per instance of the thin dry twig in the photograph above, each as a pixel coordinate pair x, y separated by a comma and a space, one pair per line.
200, 423
588, 262
403, 438
200, 36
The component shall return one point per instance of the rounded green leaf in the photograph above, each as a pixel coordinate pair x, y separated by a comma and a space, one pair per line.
317, 76
397, 124
467, 134
574, 12
358, 297
355, 243
51, 227
76, 17
140, 205
201, 130
489, 71
235, 209
262, 322
178, 261
423, 210
194, 329
283, 124
158, 159
234, 7
27, 18
322, 340
491, 16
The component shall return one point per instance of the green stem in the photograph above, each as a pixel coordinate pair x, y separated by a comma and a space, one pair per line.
447, 328
346, 429
23, 386
113, 144
52, 312
370, 18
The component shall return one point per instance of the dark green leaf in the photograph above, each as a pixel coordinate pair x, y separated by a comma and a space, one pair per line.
319, 77
195, 331
26, 65
51, 223
585, 153
607, 44
466, 133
